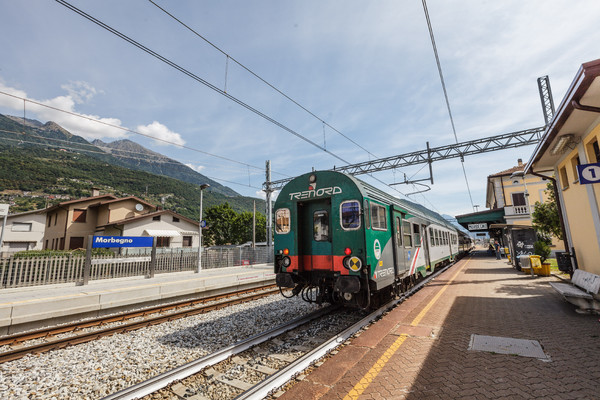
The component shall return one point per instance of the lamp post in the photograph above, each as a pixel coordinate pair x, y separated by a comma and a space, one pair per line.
202, 187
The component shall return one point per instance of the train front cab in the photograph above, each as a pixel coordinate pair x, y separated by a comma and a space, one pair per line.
319, 237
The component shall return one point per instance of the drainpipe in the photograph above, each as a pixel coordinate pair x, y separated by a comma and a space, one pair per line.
558, 205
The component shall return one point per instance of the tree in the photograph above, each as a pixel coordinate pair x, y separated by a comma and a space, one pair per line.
243, 227
220, 221
545, 216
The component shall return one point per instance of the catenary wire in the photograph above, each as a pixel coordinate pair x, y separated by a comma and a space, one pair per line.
197, 78
229, 57
439, 66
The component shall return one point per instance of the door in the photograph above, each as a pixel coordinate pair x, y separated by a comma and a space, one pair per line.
315, 235
400, 262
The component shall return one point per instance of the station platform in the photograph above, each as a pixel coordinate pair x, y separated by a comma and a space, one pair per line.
481, 330
34, 307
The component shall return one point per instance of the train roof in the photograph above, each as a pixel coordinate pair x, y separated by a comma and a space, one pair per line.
414, 208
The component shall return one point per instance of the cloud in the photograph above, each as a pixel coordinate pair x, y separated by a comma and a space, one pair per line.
197, 168
80, 91
160, 132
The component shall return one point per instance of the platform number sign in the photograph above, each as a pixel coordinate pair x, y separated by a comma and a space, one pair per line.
588, 173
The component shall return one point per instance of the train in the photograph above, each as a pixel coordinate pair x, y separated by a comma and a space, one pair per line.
339, 240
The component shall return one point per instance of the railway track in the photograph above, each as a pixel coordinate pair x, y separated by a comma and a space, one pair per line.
106, 326
254, 368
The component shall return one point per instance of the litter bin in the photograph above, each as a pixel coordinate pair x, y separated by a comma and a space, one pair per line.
524, 263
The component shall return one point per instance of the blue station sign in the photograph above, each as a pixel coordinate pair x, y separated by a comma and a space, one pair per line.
588, 173
122, 241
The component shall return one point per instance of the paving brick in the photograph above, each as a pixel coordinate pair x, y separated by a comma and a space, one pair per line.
487, 297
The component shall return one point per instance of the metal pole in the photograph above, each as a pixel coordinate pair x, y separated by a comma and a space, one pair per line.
269, 191
202, 187
254, 225
2, 234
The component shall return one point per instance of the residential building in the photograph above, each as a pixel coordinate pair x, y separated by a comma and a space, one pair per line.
570, 141
23, 231
69, 224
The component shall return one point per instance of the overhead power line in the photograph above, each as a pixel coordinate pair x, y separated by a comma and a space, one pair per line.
229, 57
197, 78
439, 66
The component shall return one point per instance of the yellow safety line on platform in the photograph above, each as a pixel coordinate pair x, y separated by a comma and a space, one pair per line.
366, 380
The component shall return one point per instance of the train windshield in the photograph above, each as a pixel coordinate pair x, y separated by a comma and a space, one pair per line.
282, 220
350, 213
321, 226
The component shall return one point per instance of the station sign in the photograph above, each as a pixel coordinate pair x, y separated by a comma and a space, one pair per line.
122, 241
588, 173
478, 227
3, 210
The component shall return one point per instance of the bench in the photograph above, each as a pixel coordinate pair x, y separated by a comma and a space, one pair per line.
582, 291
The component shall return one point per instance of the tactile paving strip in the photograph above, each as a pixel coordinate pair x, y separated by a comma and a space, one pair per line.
502, 345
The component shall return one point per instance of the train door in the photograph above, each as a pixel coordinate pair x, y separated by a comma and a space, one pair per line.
315, 229
425, 244
400, 262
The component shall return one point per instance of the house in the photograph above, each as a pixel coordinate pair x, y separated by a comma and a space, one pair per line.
170, 229
517, 193
569, 145
23, 231
69, 224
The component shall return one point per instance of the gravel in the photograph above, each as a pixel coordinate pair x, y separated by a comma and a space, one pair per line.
96, 369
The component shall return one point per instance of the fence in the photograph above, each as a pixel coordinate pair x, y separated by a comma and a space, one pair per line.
20, 272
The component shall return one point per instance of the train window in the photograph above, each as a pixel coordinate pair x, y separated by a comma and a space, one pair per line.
407, 234
366, 213
350, 215
282, 220
321, 226
378, 219
431, 237
437, 237
416, 235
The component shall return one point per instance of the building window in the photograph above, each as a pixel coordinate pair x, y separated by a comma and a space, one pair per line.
46, 246
21, 227
518, 199
78, 216
56, 218
163, 241
62, 243
564, 179
156, 218
76, 242
187, 241
175, 219
49, 220
574, 163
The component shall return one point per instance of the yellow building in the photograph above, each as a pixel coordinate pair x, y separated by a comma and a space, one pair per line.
517, 193
571, 139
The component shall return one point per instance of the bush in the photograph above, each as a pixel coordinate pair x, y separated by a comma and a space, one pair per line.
541, 249
59, 253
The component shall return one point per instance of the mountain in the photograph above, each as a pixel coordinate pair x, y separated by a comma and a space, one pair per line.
18, 131
44, 163
132, 155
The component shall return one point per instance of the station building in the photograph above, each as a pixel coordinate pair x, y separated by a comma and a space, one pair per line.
571, 140
511, 196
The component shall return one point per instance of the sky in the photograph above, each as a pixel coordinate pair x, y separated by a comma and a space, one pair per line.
310, 69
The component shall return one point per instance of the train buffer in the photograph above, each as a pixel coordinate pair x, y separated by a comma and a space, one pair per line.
582, 291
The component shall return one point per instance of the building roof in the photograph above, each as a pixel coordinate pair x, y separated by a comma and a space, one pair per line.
150, 215
510, 171
116, 200
81, 200
577, 111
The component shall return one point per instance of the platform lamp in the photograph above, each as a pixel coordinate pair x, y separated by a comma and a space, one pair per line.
202, 187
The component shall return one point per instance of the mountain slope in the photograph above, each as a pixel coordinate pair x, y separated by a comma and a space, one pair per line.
28, 133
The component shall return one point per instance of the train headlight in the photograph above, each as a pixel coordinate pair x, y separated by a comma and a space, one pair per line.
353, 263
286, 251
347, 251
286, 261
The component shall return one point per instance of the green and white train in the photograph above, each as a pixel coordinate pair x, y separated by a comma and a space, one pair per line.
341, 240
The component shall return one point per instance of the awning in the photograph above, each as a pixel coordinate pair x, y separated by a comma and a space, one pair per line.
161, 233
188, 233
